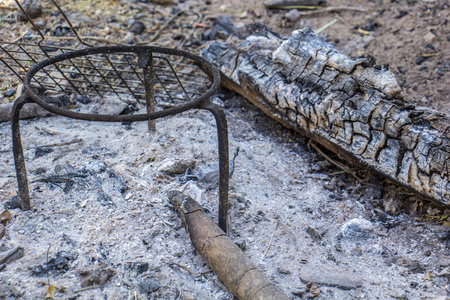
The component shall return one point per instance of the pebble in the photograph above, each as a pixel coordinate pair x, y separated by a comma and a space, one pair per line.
412, 265
209, 174
5, 217
430, 37
314, 233
41, 151
357, 228
282, 270
331, 276
138, 27
148, 286
176, 166
94, 167
4, 291
439, 71
420, 60
95, 274
188, 296
293, 15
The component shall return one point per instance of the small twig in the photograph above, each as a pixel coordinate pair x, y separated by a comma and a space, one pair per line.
7, 8
48, 131
183, 267
156, 35
88, 288
336, 163
63, 144
207, 271
330, 9
11, 255
48, 276
270, 242
326, 26
232, 162
83, 37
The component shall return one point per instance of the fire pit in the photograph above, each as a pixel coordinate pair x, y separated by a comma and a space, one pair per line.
167, 81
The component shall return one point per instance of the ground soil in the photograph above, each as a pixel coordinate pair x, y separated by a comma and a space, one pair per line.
292, 210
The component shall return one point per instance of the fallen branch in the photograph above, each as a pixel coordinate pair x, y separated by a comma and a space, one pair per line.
352, 107
244, 279
30, 110
11, 255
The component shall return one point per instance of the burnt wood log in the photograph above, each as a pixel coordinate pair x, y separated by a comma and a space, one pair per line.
352, 107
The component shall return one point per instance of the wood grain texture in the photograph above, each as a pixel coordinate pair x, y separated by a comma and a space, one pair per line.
352, 107
242, 277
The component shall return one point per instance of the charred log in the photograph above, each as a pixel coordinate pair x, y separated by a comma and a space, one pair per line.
352, 107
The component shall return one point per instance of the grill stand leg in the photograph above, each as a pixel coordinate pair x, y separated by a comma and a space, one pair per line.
224, 164
19, 159
149, 89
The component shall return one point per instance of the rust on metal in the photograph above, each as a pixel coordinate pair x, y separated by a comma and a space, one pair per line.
162, 81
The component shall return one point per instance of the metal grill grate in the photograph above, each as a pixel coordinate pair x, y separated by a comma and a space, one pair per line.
175, 79
167, 81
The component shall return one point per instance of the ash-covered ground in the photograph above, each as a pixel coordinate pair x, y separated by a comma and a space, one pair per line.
102, 227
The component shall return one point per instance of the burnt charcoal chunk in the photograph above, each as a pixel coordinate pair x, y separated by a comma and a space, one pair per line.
57, 265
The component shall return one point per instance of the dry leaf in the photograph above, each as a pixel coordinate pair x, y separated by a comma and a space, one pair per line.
50, 292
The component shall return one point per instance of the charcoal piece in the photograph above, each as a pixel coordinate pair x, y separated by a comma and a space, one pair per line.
209, 35
105, 200
41, 151
49, 47
148, 286
10, 93
224, 25
61, 100
40, 171
119, 182
420, 60
81, 98
140, 267
401, 14
288, 3
68, 186
60, 31
11, 255
12, 203
66, 169
74, 75
57, 265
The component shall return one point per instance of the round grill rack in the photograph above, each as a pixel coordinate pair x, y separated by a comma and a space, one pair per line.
167, 81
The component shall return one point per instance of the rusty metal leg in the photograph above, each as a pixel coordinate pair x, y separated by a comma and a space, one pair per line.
149, 90
224, 164
19, 159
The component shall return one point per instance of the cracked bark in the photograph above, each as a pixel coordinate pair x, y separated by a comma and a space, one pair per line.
352, 107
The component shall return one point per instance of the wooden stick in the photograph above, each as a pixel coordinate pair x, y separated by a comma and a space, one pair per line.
242, 277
